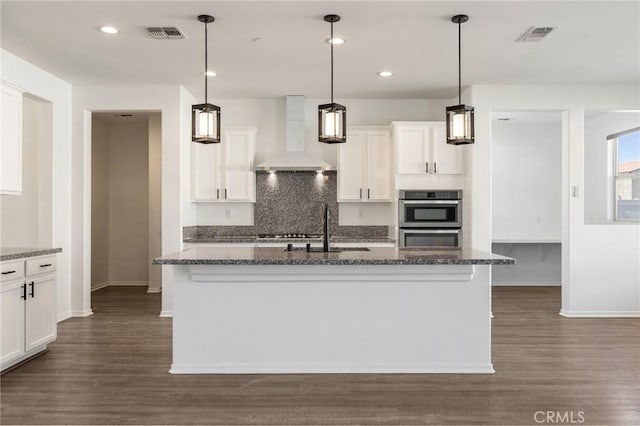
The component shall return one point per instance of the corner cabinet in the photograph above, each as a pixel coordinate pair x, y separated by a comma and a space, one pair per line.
224, 172
28, 302
11, 142
364, 165
421, 148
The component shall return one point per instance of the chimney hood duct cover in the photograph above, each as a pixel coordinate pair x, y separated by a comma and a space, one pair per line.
295, 158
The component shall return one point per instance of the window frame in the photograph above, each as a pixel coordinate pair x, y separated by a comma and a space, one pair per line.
613, 138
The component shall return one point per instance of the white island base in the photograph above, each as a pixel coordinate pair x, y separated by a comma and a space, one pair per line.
245, 319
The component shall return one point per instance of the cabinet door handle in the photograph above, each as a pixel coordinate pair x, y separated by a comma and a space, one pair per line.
435, 167
426, 167
8, 272
217, 193
360, 194
45, 265
33, 289
368, 193
24, 291
225, 193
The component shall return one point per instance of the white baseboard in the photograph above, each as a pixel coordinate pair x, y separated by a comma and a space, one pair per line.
129, 283
85, 313
521, 284
95, 287
166, 314
154, 290
331, 368
599, 314
98, 286
63, 316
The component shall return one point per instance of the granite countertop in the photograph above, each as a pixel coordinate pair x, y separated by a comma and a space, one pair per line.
375, 256
251, 239
13, 253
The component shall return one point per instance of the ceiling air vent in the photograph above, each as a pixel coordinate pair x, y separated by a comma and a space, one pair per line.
165, 32
536, 33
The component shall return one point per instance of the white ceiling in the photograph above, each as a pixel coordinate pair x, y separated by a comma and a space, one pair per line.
595, 43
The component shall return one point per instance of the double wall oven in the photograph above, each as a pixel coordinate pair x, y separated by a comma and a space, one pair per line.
430, 218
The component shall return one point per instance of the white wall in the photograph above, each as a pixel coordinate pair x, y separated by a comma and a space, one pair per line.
99, 204
50, 88
175, 136
526, 177
598, 163
128, 203
155, 201
600, 270
20, 213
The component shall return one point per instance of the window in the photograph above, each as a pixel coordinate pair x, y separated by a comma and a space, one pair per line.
626, 182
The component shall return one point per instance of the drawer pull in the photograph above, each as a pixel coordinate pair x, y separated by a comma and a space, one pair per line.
45, 265
8, 272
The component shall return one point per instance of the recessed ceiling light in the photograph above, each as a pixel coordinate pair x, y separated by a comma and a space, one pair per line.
385, 73
335, 40
109, 30
210, 73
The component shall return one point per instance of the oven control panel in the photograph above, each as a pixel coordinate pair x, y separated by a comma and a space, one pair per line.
430, 195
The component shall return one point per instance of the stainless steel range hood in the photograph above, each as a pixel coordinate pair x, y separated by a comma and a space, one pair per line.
295, 158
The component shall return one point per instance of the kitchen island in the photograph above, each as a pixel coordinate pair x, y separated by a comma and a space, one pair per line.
385, 310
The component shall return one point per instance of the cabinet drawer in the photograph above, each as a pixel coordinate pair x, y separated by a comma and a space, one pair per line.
41, 265
12, 270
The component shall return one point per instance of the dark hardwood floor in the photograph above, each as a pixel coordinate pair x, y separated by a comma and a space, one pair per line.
111, 368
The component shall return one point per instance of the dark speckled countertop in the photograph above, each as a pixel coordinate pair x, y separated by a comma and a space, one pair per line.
251, 239
13, 253
375, 256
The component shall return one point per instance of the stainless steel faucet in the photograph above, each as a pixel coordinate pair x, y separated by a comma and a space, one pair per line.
325, 230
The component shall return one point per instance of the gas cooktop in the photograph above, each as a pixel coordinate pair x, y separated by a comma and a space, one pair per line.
293, 236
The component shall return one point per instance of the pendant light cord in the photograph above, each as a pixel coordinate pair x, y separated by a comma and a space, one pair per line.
206, 38
331, 41
459, 65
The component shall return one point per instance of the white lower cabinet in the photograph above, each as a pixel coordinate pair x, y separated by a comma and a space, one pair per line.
28, 302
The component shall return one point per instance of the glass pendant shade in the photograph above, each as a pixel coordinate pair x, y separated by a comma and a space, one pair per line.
460, 129
205, 123
332, 123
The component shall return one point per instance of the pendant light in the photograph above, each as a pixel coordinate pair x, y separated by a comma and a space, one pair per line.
205, 118
460, 117
332, 118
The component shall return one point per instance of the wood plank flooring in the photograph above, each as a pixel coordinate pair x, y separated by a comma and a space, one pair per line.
111, 368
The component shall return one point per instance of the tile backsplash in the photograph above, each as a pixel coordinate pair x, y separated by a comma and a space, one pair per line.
293, 202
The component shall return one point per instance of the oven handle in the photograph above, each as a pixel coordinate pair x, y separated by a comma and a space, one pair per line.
431, 231
405, 202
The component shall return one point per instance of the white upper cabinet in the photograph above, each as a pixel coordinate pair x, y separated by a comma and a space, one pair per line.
421, 148
11, 143
364, 165
224, 172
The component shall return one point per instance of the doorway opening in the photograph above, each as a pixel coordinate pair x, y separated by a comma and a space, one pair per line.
526, 175
125, 200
